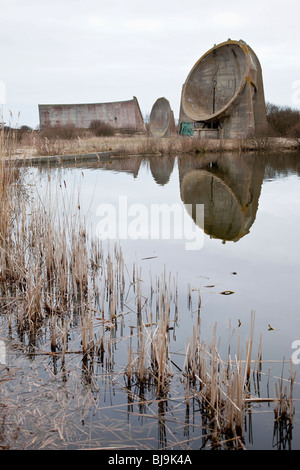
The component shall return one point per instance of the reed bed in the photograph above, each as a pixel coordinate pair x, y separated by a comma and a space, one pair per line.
8, 138
15, 142
221, 386
151, 366
77, 300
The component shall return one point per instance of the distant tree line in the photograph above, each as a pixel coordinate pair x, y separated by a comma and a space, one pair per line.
283, 121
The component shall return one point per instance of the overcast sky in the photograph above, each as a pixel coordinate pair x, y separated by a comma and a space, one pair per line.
93, 51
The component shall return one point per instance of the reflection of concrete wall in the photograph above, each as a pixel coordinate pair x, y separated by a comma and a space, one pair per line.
121, 165
162, 123
229, 187
224, 92
120, 115
113, 163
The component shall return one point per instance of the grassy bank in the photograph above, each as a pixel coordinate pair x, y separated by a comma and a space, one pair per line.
34, 144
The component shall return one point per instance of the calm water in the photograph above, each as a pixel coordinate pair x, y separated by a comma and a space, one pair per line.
250, 246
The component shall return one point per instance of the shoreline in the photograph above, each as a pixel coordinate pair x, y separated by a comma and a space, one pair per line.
104, 149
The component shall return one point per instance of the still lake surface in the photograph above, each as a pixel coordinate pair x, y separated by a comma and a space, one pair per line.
249, 247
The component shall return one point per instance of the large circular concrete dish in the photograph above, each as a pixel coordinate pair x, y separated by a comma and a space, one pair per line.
161, 118
216, 81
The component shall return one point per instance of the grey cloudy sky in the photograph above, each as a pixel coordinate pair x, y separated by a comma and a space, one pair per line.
63, 51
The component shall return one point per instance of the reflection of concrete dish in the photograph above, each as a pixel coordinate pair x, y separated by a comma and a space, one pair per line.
224, 91
228, 185
161, 168
162, 122
224, 217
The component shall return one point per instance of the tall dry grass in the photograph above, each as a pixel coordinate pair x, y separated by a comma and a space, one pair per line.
223, 385
8, 138
44, 144
56, 272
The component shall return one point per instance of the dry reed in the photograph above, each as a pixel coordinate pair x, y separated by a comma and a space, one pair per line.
223, 386
60, 275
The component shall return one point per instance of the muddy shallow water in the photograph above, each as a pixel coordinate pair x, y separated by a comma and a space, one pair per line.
245, 260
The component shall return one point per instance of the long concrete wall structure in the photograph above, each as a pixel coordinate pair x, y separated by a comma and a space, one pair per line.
120, 115
223, 95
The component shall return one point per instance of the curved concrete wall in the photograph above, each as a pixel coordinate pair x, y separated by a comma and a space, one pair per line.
120, 115
162, 122
224, 92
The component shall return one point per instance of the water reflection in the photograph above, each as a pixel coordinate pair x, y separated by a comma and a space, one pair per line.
228, 186
162, 168
116, 164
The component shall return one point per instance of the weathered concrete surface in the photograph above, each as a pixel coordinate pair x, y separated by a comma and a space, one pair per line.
119, 114
162, 122
223, 95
